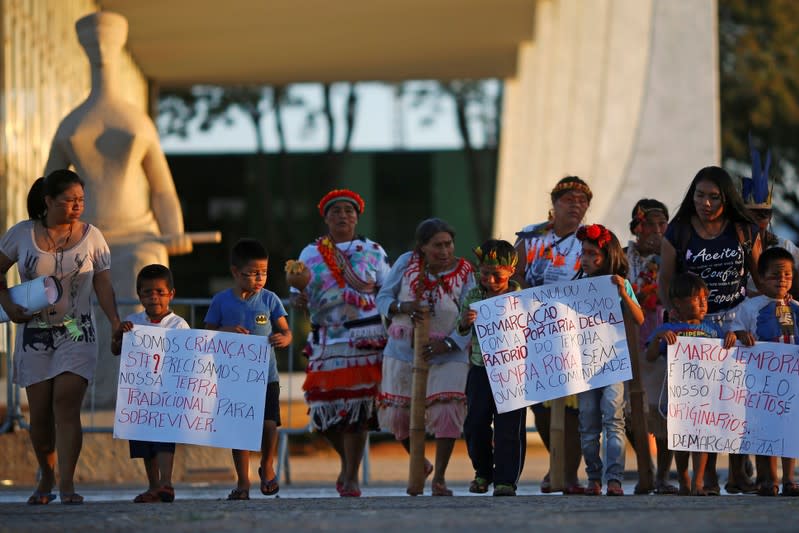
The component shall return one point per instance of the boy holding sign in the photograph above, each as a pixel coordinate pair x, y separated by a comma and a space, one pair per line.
772, 317
250, 309
688, 296
496, 456
155, 288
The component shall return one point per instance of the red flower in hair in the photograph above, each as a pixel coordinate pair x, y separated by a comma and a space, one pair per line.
595, 232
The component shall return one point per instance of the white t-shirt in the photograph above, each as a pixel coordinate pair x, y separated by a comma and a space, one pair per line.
170, 321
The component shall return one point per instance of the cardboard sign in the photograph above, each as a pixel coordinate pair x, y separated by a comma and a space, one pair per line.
741, 400
547, 342
193, 386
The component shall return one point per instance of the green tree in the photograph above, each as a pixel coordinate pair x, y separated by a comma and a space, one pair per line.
759, 77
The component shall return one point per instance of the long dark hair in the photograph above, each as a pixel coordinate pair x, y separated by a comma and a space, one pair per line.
54, 184
734, 208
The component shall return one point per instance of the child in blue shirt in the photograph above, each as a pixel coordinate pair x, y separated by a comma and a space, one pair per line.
156, 288
251, 309
688, 296
773, 317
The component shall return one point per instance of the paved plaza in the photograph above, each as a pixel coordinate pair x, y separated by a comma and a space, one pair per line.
385, 509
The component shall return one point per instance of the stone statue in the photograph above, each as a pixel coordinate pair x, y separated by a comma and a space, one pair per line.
130, 194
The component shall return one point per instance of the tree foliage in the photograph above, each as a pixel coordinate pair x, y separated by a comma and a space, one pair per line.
759, 77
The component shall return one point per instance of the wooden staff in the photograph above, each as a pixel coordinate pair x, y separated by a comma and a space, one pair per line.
421, 337
643, 454
557, 444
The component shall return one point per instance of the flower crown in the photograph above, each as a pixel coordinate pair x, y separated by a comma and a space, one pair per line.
595, 232
491, 258
338, 195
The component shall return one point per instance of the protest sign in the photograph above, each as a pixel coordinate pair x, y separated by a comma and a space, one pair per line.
547, 342
193, 386
733, 401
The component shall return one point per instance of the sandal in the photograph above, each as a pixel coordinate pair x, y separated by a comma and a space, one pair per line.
701, 491
270, 487
479, 485
574, 488
339, 486
354, 493
594, 488
503, 489
790, 489
440, 489
147, 497
166, 493
666, 489
614, 488
43, 498
748, 488
71, 499
238, 494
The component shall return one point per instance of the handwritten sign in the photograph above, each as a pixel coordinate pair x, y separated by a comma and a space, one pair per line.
192, 386
741, 400
547, 342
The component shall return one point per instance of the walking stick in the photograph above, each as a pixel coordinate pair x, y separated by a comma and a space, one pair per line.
421, 337
643, 455
557, 444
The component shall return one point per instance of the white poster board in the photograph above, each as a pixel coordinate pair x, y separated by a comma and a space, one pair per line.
548, 342
192, 386
739, 400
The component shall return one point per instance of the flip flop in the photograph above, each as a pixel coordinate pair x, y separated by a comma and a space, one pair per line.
71, 499
270, 487
238, 494
354, 493
41, 498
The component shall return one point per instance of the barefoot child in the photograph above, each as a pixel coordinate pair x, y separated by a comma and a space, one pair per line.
497, 456
604, 407
155, 288
688, 296
251, 309
773, 316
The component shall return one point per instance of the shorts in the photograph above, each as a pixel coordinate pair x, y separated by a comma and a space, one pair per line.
147, 450
272, 405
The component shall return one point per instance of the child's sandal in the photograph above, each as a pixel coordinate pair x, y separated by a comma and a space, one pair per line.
479, 485
790, 489
238, 494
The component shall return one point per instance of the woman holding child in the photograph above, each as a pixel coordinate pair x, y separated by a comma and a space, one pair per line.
550, 252
429, 276
56, 349
344, 352
714, 236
